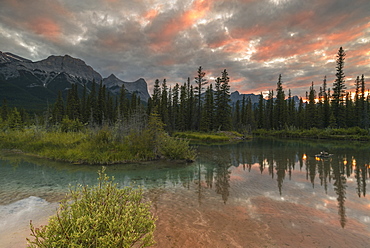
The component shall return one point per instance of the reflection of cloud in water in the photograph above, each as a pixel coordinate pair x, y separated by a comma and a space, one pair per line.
21, 212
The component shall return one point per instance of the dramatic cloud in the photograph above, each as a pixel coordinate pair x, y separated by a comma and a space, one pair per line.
255, 40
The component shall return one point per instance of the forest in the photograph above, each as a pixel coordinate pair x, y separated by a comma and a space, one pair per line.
205, 107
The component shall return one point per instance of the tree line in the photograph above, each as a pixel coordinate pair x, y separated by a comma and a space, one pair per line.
205, 106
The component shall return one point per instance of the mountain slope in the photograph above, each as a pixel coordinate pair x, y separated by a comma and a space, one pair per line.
39, 82
139, 87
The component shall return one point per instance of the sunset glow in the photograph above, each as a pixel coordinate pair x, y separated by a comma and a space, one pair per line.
254, 40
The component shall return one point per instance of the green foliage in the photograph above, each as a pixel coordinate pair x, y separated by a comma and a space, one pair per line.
354, 133
97, 147
71, 125
98, 216
210, 137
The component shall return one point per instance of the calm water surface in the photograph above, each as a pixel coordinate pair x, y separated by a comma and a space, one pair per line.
286, 172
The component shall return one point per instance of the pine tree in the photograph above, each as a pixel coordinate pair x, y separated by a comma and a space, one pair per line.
181, 125
101, 104
222, 102
237, 115
58, 109
326, 113
291, 110
163, 110
280, 106
175, 106
250, 120
200, 81
350, 119
300, 120
73, 103
311, 116
269, 113
261, 120
339, 90
207, 120
357, 105
157, 95
85, 108
4, 110
123, 104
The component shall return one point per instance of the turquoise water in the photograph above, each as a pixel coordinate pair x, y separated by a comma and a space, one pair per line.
285, 171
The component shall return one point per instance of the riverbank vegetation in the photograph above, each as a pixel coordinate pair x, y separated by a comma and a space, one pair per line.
353, 133
89, 125
210, 137
104, 145
98, 216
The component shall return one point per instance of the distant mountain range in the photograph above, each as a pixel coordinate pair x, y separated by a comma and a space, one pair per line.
32, 84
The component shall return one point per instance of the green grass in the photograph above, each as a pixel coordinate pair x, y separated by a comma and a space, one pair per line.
90, 147
210, 137
354, 133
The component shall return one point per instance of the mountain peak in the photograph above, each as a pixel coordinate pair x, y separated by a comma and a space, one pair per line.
9, 57
112, 76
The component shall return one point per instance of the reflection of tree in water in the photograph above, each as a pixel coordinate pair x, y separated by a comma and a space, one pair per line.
279, 158
361, 175
340, 189
223, 181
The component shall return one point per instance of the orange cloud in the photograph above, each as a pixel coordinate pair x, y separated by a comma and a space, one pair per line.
162, 40
151, 14
46, 27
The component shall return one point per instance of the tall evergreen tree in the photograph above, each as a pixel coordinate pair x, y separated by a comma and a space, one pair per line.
163, 110
181, 125
200, 81
207, 120
326, 112
269, 113
4, 110
157, 95
222, 102
175, 106
311, 117
280, 109
58, 109
339, 90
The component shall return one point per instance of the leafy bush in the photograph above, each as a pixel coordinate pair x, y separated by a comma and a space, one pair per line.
98, 216
177, 149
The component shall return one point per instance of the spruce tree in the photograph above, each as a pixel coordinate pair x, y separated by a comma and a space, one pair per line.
261, 118
207, 120
200, 81
222, 102
339, 90
163, 110
4, 110
58, 109
175, 106
156, 98
279, 106
311, 116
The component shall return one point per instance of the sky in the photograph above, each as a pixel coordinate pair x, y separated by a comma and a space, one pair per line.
254, 40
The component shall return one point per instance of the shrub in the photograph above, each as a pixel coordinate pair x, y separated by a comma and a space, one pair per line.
98, 216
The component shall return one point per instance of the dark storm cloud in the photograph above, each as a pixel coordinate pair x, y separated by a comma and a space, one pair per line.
255, 40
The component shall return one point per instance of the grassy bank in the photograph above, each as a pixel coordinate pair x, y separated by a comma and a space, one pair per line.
210, 137
354, 133
99, 147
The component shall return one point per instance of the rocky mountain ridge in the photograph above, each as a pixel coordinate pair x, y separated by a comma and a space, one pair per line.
41, 81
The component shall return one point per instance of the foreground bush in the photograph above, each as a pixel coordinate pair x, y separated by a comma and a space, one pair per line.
98, 216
